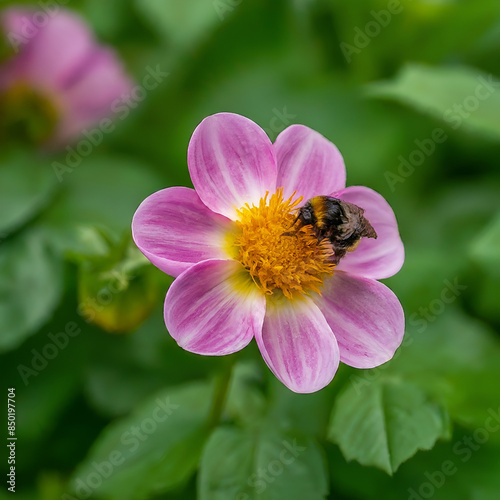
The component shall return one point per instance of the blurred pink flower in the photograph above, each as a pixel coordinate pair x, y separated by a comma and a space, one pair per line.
57, 68
239, 276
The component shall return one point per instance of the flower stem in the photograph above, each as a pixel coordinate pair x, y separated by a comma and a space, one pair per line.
222, 382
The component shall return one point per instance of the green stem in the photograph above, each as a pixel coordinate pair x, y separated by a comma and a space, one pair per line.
221, 389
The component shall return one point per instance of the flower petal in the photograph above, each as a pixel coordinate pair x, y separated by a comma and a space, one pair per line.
231, 162
98, 90
374, 258
365, 316
298, 345
175, 230
214, 308
12, 21
51, 52
308, 163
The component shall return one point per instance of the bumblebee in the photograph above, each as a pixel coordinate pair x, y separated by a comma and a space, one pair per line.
340, 222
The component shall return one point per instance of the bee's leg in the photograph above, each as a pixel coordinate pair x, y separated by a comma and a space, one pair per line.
293, 233
338, 253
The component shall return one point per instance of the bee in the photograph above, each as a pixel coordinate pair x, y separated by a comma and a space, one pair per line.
342, 223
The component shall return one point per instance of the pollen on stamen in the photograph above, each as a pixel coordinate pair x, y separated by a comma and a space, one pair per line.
296, 262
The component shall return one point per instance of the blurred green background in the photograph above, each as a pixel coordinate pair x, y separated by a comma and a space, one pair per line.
409, 91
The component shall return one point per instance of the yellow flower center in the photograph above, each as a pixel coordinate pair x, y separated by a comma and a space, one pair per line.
295, 263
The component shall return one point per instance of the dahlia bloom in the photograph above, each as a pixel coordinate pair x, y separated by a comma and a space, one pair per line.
238, 276
57, 78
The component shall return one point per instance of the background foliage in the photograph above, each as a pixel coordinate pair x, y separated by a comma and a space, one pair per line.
116, 410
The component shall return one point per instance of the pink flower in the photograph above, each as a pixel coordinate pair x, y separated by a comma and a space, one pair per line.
58, 70
239, 276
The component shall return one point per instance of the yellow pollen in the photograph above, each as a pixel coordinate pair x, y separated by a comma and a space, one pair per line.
295, 263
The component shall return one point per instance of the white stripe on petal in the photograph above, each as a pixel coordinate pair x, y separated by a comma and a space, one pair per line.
214, 308
298, 345
308, 163
365, 316
175, 230
231, 162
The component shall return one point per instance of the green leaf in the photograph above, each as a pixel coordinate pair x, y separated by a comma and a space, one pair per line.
152, 450
456, 95
50, 485
52, 393
386, 424
485, 297
127, 370
463, 468
245, 399
486, 246
485, 494
485, 251
102, 191
30, 287
124, 372
47, 370
105, 17
27, 184
182, 23
451, 356
287, 408
261, 465
450, 27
